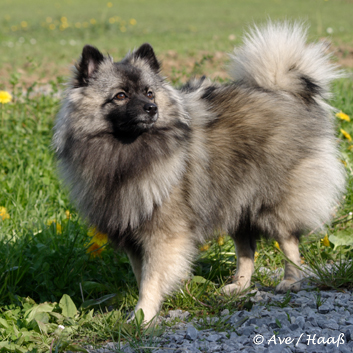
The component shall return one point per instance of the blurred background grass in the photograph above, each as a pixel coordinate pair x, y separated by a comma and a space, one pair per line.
41, 39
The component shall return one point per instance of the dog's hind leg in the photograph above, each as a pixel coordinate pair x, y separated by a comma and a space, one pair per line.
245, 245
292, 272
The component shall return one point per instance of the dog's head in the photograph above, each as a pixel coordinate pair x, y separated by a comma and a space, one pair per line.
126, 91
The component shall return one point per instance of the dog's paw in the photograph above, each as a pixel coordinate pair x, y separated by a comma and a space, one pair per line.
235, 288
288, 285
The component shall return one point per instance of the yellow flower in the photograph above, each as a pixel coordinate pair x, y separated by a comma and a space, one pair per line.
205, 247
346, 135
343, 116
111, 20
94, 250
256, 255
63, 19
97, 242
67, 214
109, 4
3, 213
220, 240
325, 241
93, 21
277, 245
57, 225
5, 97
133, 22
24, 24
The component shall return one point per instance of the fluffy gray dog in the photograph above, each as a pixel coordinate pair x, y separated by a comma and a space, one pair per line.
160, 169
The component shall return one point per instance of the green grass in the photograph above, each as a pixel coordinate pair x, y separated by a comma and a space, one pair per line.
47, 278
184, 27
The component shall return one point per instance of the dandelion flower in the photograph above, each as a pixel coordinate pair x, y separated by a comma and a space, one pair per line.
24, 24
67, 214
93, 21
133, 22
3, 213
256, 255
343, 116
110, 4
111, 20
97, 242
325, 241
276, 245
57, 225
205, 247
220, 240
5, 97
346, 135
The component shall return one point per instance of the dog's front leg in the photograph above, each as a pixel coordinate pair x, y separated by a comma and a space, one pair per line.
166, 260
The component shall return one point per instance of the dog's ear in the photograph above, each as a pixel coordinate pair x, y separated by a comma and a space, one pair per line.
146, 53
90, 59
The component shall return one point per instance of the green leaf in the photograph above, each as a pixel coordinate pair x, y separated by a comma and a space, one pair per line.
11, 347
199, 279
341, 238
67, 306
4, 323
42, 326
139, 316
32, 313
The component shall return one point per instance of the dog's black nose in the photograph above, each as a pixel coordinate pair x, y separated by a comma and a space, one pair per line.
150, 108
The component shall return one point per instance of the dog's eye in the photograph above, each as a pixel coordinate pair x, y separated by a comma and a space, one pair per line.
121, 96
149, 95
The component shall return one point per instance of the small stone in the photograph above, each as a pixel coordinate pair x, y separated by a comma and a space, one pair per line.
349, 321
191, 333
300, 321
213, 338
331, 324
173, 314
293, 327
324, 309
344, 349
246, 331
348, 333
224, 312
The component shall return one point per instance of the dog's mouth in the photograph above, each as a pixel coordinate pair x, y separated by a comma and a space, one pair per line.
146, 123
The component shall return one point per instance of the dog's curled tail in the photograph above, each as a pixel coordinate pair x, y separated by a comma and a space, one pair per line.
276, 57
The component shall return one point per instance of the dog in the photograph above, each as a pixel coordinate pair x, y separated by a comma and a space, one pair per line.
159, 169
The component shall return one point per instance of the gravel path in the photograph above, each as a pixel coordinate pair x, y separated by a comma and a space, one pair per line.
300, 326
